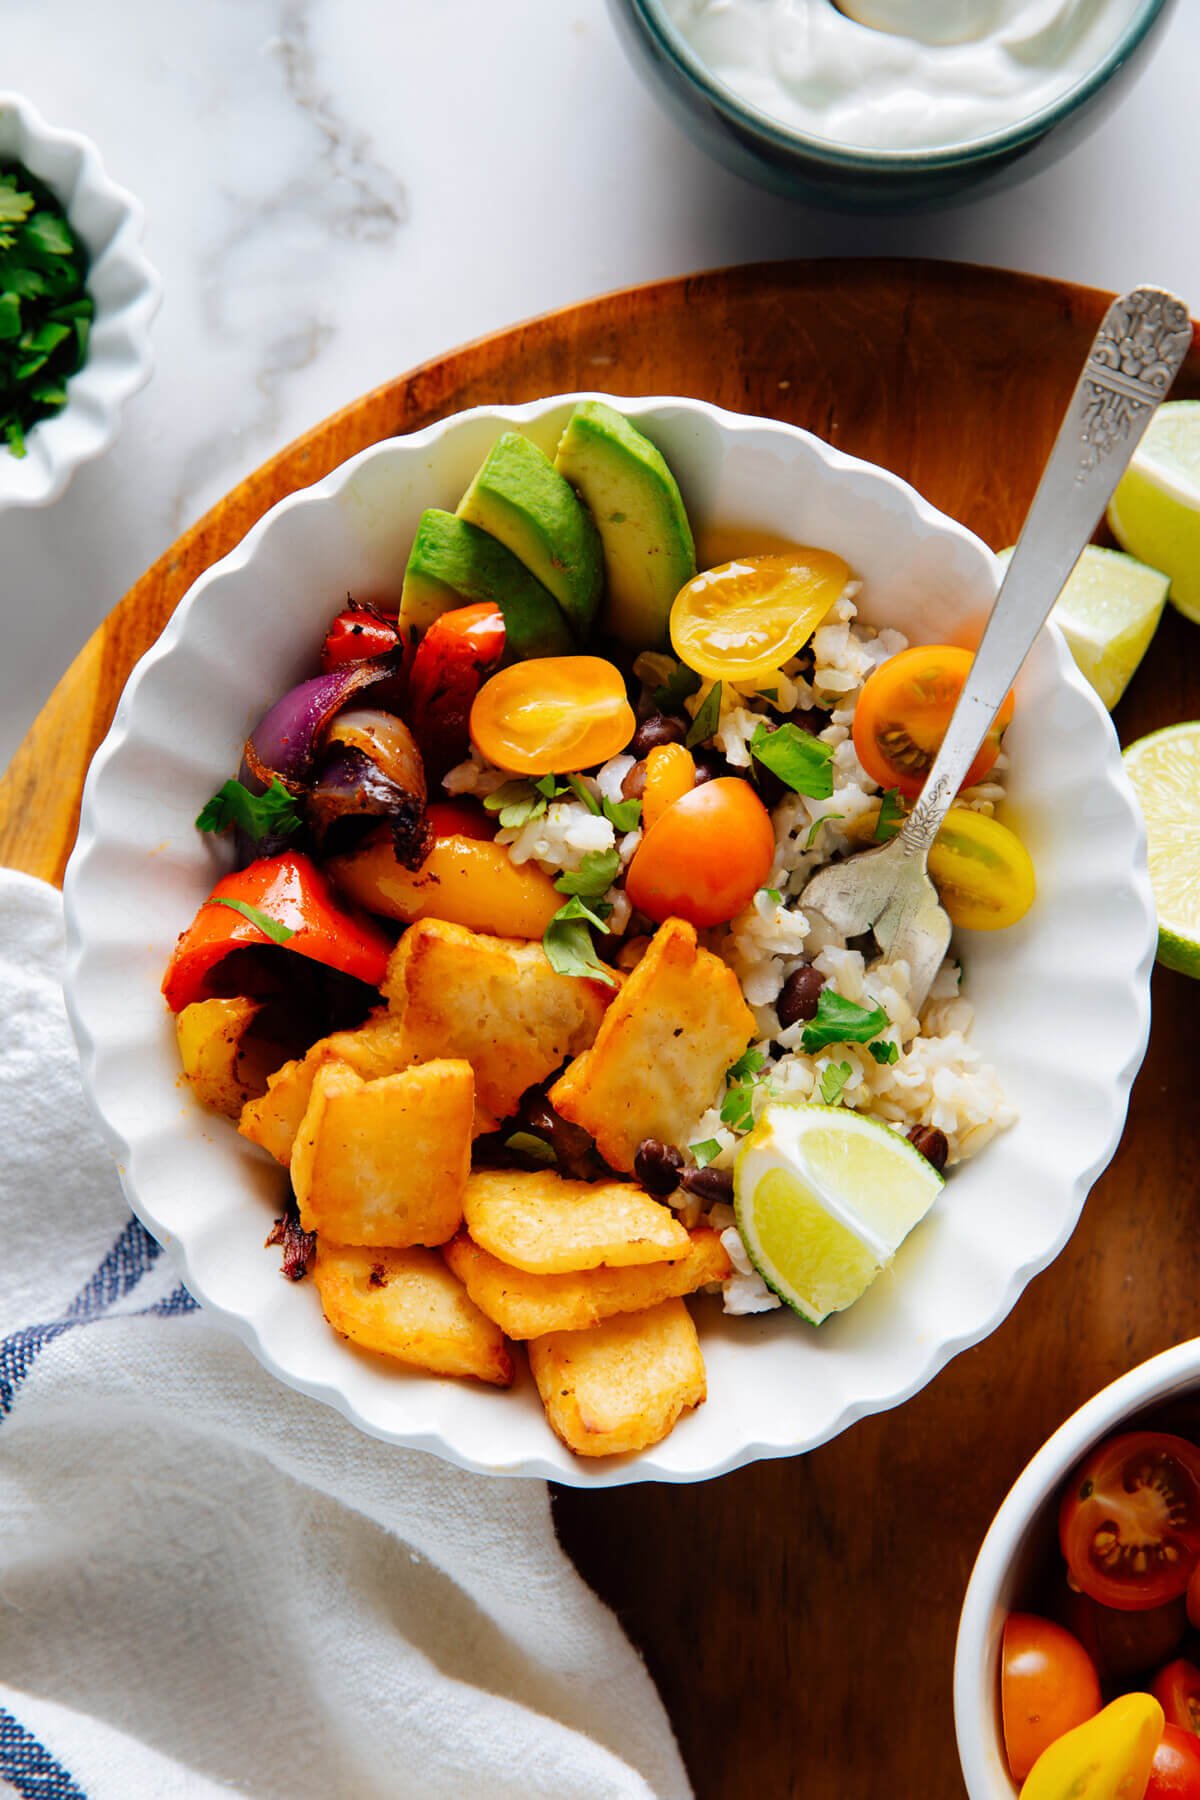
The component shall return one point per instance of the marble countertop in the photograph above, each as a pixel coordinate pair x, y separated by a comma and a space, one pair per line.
338, 189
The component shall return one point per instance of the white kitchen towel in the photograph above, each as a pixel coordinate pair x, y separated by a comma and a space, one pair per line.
212, 1585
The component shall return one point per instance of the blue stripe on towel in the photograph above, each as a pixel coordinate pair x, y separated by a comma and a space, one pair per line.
29, 1767
119, 1273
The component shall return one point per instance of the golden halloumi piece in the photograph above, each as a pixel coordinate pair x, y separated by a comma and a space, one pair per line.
409, 1305
623, 1384
371, 1050
494, 1001
210, 1034
540, 1222
386, 1161
661, 1051
528, 1306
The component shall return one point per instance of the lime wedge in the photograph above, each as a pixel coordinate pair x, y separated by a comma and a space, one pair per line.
824, 1198
1108, 612
1165, 771
1155, 512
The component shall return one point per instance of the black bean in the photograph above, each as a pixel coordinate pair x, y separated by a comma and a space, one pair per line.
657, 1166
710, 766
710, 1185
799, 996
931, 1143
634, 783
656, 730
809, 718
574, 1148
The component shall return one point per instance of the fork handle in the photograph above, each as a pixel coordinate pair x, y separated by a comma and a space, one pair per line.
1137, 352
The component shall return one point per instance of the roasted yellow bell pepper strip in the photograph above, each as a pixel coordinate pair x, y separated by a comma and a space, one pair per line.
1108, 1758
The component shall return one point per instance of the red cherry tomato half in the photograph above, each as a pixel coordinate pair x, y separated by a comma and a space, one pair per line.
1176, 1687
1129, 1524
1175, 1771
452, 661
1048, 1685
707, 856
903, 711
358, 632
1124, 1644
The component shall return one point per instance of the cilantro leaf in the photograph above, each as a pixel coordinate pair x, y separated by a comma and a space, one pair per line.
677, 688
583, 792
891, 816
578, 908
799, 759
707, 719
737, 1108
840, 1021
594, 877
45, 309
885, 1051
816, 825
516, 802
50, 234
747, 1064
569, 947
278, 933
536, 1148
705, 1151
773, 895
833, 1079
15, 207
625, 815
272, 814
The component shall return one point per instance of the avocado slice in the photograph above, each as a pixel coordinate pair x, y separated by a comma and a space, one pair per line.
649, 553
452, 563
519, 496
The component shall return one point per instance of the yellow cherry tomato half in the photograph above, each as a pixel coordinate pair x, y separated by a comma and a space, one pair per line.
982, 871
670, 773
707, 856
551, 715
903, 711
1108, 1758
746, 618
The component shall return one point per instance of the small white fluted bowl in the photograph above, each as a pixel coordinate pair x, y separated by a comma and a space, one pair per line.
126, 292
1016, 1541
251, 626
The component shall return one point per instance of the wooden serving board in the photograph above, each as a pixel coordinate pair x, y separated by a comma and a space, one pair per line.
799, 1616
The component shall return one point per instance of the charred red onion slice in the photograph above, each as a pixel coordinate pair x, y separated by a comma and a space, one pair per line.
351, 794
284, 743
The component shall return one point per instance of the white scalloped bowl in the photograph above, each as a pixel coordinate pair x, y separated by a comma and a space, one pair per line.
250, 627
122, 283
1014, 1548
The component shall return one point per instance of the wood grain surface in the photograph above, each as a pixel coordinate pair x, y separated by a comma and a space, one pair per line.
799, 1616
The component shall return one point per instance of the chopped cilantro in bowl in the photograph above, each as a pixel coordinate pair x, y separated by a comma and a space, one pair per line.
45, 308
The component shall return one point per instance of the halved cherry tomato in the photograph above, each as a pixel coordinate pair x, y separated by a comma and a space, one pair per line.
670, 773
453, 659
982, 871
1175, 1771
1124, 1644
1129, 1524
708, 855
1176, 1687
1048, 1685
291, 891
1106, 1758
358, 632
903, 711
746, 618
552, 715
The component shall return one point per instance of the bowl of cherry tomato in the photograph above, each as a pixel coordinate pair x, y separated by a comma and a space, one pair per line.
1077, 1670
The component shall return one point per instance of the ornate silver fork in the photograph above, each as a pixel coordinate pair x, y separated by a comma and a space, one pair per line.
1135, 356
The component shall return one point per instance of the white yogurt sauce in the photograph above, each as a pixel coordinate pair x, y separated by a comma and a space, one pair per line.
900, 74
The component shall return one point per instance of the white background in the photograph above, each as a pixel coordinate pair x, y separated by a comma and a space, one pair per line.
338, 189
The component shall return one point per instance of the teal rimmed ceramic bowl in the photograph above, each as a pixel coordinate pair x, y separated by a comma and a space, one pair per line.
805, 167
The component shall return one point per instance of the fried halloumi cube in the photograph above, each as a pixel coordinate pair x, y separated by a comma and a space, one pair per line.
376, 1048
528, 1306
211, 1034
623, 1384
539, 1222
385, 1161
409, 1305
661, 1050
494, 1001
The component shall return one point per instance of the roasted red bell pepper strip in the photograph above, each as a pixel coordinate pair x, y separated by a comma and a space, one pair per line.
460, 818
290, 893
454, 658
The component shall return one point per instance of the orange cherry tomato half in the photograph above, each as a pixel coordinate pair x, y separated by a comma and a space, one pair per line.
670, 773
1129, 1523
552, 715
903, 711
1048, 1685
1176, 1687
1175, 1771
707, 856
